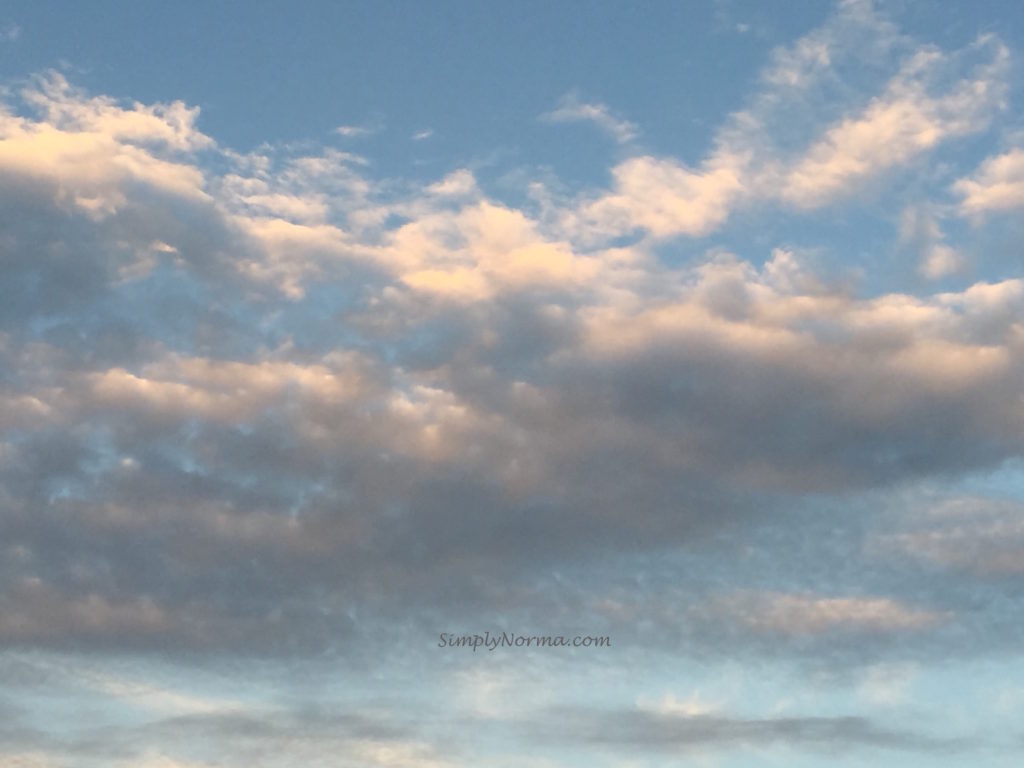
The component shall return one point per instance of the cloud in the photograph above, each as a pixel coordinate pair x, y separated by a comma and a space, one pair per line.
682, 364
919, 228
998, 185
288, 407
171, 126
808, 614
215, 390
87, 152
479, 250
903, 122
571, 109
664, 198
787, 146
888, 684
662, 733
354, 131
33, 611
979, 535
217, 360
344, 470
671, 706
853, 30
26, 759
256, 738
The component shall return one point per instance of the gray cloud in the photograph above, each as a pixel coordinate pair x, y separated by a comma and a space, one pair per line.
651, 731
315, 737
250, 401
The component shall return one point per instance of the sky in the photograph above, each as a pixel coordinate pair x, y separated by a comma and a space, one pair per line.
333, 333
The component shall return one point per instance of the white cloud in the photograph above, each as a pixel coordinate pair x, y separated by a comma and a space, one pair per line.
905, 121
670, 705
479, 250
571, 109
776, 148
163, 125
89, 150
222, 390
354, 131
663, 197
919, 229
940, 261
998, 185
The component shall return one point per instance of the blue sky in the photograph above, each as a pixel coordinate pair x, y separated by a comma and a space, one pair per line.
328, 329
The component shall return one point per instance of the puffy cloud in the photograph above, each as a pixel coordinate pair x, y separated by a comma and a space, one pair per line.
215, 359
479, 250
665, 198
869, 369
998, 185
88, 151
215, 390
274, 404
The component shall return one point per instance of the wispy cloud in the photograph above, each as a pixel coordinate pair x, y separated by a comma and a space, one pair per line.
977, 534
902, 123
572, 109
671, 733
356, 131
919, 228
812, 614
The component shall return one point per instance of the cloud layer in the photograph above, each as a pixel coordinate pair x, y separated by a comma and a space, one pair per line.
276, 404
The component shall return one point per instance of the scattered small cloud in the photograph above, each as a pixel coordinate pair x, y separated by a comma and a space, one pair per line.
571, 109
356, 131
920, 230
